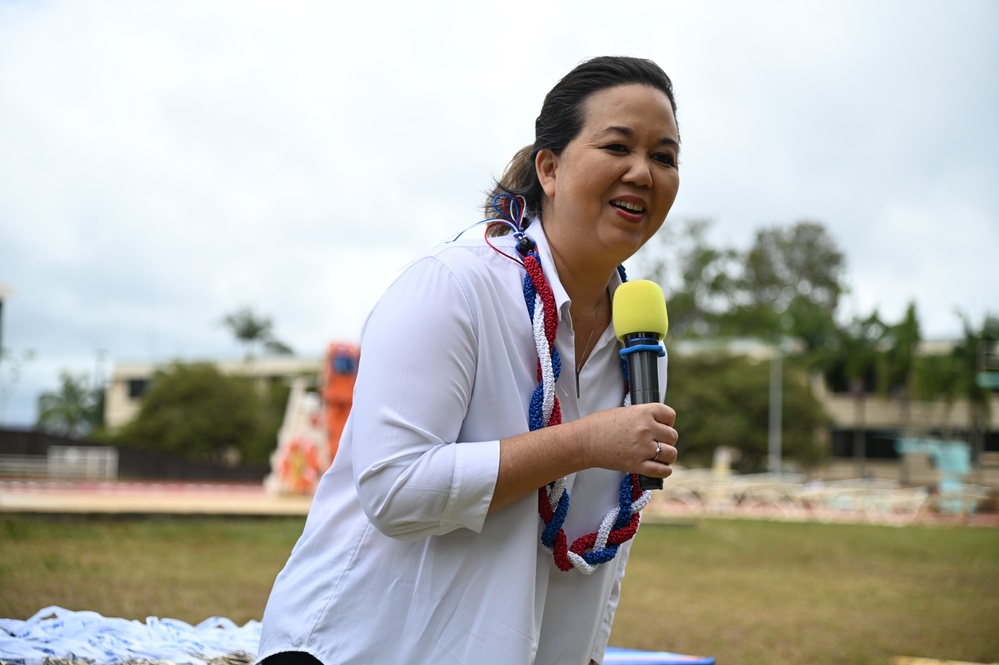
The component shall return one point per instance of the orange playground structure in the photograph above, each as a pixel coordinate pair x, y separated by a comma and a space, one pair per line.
339, 375
313, 424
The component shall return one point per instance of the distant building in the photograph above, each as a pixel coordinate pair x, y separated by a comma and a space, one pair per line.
884, 420
130, 381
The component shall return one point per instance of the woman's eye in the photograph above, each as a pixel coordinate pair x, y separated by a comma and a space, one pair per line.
616, 147
664, 158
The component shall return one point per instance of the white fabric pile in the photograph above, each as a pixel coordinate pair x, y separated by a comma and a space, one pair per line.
57, 635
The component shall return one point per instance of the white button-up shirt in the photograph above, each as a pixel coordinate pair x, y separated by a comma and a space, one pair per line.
399, 561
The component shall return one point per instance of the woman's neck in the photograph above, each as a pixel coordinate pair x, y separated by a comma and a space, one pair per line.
585, 281
590, 304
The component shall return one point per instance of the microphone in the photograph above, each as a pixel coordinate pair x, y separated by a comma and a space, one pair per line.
640, 321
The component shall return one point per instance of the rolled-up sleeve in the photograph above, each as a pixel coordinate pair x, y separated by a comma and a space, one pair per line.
415, 380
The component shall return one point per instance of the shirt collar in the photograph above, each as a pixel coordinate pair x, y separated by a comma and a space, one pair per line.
535, 232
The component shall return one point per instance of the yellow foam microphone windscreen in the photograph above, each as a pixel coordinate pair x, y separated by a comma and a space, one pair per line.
640, 307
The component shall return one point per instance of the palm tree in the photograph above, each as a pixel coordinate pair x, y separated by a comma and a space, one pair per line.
947, 378
898, 363
251, 330
937, 380
855, 356
896, 375
967, 355
71, 410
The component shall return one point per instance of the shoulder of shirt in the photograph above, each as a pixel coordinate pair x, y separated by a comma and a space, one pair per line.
472, 253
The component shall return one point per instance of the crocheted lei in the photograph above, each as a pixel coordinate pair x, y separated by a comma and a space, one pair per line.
620, 524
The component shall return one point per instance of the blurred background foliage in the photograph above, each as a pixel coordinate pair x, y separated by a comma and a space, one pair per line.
784, 291
724, 400
195, 411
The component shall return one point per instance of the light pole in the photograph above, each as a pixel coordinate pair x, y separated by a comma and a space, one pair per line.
775, 428
776, 407
5, 292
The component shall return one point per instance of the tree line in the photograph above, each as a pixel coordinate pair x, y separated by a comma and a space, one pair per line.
785, 289
191, 410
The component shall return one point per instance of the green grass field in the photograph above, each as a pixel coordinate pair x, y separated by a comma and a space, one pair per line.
745, 592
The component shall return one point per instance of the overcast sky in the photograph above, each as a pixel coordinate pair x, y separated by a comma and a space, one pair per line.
165, 163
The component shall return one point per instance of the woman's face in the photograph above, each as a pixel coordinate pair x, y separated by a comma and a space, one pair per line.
612, 186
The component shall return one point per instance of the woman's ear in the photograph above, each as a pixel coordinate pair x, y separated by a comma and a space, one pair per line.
546, 164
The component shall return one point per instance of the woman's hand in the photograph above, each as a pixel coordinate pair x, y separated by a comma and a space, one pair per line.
624, 439
628, 439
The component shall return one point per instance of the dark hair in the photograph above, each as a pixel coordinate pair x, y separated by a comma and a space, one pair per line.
562, 118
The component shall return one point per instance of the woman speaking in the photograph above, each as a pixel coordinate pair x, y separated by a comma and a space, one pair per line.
490, 369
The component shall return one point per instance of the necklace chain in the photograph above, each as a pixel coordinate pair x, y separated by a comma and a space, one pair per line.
581, 360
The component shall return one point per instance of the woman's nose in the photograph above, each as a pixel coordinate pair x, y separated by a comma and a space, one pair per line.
639, 173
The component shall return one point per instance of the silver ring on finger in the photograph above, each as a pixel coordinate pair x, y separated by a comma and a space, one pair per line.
659, 449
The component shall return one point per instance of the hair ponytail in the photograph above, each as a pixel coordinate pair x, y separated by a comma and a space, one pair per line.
519, 179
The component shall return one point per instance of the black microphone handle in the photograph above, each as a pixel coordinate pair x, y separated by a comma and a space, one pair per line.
643, 378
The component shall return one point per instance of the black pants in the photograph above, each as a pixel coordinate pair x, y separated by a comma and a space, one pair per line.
291, 658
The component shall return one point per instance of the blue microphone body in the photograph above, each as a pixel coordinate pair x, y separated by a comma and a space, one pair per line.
643, 353
640, 322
